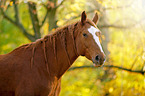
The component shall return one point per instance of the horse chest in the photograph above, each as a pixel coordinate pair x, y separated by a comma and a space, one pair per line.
48, 87
55, 87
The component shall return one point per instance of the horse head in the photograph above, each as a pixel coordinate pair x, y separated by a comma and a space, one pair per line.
87, 40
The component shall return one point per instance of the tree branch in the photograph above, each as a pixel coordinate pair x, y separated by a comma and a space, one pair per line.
19, 24
111, 25
43, 21
60, 3
29, 36
6, 17
49, 7
133, 63
121, 26
75, 17
116, 26
93, 10
16, 22
109, 66
34, 19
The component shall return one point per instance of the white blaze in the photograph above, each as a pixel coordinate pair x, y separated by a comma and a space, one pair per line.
93, 31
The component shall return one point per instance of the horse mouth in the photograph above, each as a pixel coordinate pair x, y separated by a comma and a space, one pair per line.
98, 64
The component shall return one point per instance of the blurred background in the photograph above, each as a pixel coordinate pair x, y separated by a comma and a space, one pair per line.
122, 23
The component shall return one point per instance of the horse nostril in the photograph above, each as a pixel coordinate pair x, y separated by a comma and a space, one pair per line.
97, 58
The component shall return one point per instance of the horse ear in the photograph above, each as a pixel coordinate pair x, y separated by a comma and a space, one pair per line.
83, 17
95, 19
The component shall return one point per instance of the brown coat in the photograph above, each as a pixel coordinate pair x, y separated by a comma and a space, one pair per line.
35, 69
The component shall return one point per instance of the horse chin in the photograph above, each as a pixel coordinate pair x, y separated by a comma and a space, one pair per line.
97, 65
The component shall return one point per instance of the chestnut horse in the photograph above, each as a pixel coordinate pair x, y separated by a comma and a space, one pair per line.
36, 69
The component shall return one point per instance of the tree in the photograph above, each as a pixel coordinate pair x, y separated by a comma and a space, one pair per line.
51, 7
122, 26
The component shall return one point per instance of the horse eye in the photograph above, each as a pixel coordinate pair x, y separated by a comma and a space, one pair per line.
84, 34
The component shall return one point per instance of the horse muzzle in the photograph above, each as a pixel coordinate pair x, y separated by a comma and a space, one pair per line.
99, 60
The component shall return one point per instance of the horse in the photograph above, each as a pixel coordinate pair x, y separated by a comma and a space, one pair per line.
35, 69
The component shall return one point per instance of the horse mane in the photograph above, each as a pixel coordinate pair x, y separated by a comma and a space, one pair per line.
58, 33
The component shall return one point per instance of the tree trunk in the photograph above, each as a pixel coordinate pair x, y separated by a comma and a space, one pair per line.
52, 15
34, 19
52, 19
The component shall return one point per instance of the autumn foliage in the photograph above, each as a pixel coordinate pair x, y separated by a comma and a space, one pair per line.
122, 23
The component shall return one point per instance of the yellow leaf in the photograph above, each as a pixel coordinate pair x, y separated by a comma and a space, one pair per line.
111, 90
11, 3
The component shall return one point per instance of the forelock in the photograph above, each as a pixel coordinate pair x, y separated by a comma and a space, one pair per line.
91, 23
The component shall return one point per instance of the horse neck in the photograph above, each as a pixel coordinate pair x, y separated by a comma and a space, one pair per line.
63, 51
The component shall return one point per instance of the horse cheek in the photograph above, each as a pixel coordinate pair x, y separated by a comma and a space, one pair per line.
79, 46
